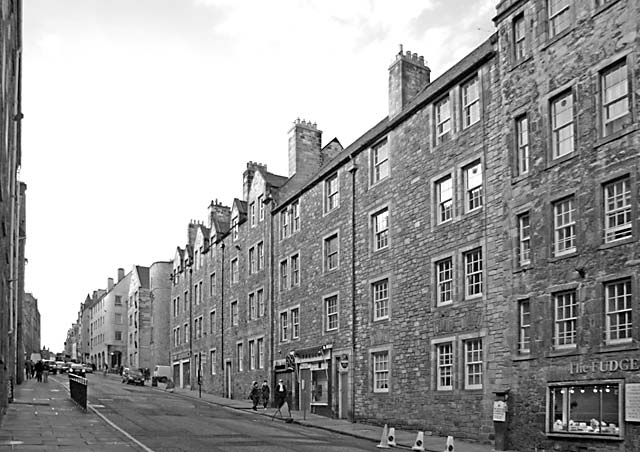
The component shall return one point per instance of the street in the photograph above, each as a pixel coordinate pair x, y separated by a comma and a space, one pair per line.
165, 422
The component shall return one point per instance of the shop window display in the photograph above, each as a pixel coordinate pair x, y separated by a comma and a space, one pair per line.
589, 409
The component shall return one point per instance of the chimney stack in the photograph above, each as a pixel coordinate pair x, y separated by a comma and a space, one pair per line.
218, 214
192, 231
120, 274
247, 177
109, 284
305, 142
408, 75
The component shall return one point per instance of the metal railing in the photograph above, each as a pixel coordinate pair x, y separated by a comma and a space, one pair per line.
78, 389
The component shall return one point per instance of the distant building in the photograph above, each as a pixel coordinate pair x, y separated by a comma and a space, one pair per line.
31, 326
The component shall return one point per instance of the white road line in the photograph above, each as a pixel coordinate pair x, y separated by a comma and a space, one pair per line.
104, 418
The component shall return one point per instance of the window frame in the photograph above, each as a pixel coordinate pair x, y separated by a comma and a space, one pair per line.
252, 213
470, 278
625, 228
380, 238
252, 260
295, 322
380, 168
472, 359
519, 40
240, 356
381, 300
564, 232
447, 364
381, 370
235, 314
443, 124
448, 283
522, 144
331, 315
235, 270
284, 272
565, 328
524, 326
617, 123
524, 239
444, 212
327, 254
294, 268
469, 106
331, 196
212, 363
284, 326
552, 16
555, 115
627, 312
473, 195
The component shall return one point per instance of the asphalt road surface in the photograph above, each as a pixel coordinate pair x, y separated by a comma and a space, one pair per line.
165, 422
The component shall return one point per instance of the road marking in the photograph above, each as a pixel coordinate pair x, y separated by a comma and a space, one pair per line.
104, 418
97, 406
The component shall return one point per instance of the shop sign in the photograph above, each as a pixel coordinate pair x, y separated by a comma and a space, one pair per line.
632, 402
499, 411
611, 365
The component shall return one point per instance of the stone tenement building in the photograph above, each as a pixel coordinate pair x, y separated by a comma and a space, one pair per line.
12, 195
468, 266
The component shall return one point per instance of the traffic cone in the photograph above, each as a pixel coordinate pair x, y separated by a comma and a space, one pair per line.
449, 446
383, 440
391, 438
419, 442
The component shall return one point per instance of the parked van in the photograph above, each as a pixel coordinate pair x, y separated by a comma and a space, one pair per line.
162, 373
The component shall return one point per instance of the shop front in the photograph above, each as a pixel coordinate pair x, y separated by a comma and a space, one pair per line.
314, 385
595, 403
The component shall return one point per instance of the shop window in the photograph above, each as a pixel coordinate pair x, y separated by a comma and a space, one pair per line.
585, 409
319, 386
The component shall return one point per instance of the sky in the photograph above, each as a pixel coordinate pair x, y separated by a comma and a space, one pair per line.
138, 113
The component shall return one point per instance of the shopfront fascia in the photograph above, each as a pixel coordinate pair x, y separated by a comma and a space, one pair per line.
314, 379
598, 399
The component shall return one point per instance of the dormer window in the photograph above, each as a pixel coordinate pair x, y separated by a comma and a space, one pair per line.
234, 228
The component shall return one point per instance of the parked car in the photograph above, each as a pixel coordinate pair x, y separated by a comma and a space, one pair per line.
77, 369
88, 368
134, 376
49, 365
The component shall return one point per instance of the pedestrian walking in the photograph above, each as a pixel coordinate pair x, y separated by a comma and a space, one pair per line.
266, 393
280, 396
254, 395
39, 369
28, 368
45, 373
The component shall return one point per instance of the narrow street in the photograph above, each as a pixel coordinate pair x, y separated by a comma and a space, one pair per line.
165, 422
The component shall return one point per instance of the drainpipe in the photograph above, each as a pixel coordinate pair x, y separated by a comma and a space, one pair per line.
191, 323
269, 200
353, 169
223, 367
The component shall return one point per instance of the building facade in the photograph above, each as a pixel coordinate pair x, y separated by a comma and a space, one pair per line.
31, 326
11, 240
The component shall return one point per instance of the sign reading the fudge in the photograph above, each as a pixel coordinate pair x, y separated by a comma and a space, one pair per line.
632, 402
610, 365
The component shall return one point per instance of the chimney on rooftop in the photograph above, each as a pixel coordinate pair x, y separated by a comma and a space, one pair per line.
408, 75
247, 177
120, 274
218, 213
109, 284
305, 142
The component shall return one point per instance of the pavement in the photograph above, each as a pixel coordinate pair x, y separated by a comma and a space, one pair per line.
43, 417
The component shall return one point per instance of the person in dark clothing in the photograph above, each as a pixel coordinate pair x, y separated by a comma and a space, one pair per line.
39, 369
254, 395
266, 393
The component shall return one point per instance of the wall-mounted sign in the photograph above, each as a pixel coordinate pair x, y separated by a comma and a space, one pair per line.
499, 411
632, 402
610, 365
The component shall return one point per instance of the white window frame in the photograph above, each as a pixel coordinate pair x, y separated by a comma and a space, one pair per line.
284, 224
235, 270
519, 37
559, 16
564, 226
284, 326
234, 313
562, 125
240, 356
294, 210
444, 281
260, 251
522, 145
252, 260
332, 317
614, 96
213, 359
473, 363
443, 120
381, 369
470, 100
212, 321
524, 326
380, 226
618, 311
331, 193
445, 366
284, 273
253, 308
295, 270
252, 354
260, 345
260, 302
445, 199
473, 273
524, 239
473, 191
260, 208
617, 210
380, 162
328, 255
295, 323
234, 228
252, 213
380, 295
565, 319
